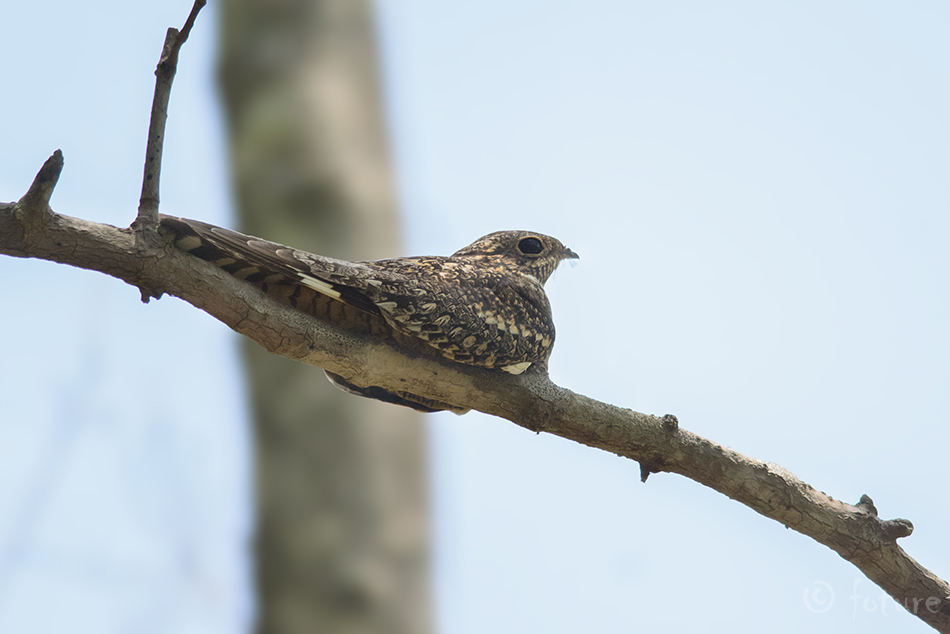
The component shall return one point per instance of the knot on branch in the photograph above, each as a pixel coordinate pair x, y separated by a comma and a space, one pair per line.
866, 505
895, 529
670, 422
652, 465
891, 530
43, 185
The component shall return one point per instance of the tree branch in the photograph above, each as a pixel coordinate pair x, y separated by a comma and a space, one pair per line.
29, 228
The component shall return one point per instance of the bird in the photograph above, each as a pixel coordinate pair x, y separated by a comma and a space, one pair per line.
484, 305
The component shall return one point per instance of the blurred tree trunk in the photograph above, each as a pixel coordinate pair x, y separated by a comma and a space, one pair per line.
342, 538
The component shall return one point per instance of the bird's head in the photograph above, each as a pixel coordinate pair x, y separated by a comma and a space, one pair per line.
526, 252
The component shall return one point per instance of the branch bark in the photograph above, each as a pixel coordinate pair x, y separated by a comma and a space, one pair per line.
29, 228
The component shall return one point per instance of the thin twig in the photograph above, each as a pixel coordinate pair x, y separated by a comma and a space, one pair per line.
190, 22
146, 222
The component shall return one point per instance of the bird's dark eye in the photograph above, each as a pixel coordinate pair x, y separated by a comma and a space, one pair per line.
530, 246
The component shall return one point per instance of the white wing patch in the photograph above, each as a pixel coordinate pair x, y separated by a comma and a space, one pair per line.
517, 368
324, 288
188, 243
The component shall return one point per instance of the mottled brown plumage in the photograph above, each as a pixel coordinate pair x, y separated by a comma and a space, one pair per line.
484, 305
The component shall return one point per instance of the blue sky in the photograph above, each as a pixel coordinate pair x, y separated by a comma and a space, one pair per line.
759, 195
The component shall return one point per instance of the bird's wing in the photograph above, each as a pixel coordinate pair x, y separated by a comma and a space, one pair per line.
265, 263
470, 314
343, 293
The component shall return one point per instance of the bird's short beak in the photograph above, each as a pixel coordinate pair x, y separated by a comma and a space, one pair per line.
569, 255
